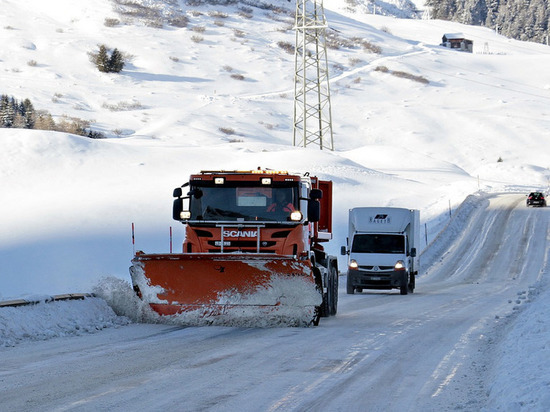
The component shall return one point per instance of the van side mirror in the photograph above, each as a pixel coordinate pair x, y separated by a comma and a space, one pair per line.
343, 251
413, 252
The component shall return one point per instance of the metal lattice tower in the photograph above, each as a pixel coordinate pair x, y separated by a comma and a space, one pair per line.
312, 111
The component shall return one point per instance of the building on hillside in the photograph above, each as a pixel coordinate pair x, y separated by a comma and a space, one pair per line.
457, 41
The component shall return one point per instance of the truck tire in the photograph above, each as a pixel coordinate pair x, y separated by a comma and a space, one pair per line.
316, 317
334, 287
323, 309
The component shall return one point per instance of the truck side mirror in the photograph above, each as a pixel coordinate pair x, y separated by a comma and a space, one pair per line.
343, 251
178, 191
177, 208
413, 252
315, 194
313, 211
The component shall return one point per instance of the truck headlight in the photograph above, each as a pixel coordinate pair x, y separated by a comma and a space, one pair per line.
353, 264
399, 265
296, 216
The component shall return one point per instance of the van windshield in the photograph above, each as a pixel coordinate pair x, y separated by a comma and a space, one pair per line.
378, 243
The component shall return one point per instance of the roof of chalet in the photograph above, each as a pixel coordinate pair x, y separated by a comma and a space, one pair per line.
454, 36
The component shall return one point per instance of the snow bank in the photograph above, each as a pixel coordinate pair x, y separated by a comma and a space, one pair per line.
452, 230
46, 320
521, 376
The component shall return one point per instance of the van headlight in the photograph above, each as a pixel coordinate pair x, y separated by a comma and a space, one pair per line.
399, 265
353, 264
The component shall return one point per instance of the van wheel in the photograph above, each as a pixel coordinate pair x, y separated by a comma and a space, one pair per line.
411, 283
404, 288
349, 287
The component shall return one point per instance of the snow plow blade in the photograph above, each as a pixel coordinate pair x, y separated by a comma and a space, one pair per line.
227, 289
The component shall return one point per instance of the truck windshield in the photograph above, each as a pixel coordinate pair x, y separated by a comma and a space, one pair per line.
251, 203
378, 243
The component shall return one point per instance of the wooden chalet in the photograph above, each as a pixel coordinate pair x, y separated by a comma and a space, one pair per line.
457, 41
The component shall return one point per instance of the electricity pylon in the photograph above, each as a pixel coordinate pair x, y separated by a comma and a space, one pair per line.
312, 112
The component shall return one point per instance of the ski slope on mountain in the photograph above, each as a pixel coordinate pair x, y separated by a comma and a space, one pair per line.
69, 202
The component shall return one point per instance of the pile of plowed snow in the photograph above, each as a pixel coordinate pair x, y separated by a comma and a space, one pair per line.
46, 320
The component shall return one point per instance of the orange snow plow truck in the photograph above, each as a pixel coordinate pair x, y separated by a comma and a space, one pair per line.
252, 252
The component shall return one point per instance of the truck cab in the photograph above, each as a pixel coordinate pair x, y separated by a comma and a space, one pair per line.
247, 212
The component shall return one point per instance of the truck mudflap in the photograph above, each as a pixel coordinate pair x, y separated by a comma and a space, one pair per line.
227, 289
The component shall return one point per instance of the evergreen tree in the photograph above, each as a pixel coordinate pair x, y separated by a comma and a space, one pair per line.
7, 111
492, 12
4, 101
116, 62
540, 27
108, 64
518, 19
102, 59
477, 11
28, 113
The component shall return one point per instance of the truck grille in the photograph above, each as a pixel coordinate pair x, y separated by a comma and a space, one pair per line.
241, 243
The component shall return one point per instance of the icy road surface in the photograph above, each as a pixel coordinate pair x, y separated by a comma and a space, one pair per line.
427, 351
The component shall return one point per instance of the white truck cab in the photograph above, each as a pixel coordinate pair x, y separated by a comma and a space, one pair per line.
382, 249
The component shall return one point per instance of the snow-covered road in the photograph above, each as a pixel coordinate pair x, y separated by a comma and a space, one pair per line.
429, 351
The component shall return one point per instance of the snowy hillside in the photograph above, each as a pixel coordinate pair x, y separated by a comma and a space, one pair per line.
176, 109
217, 93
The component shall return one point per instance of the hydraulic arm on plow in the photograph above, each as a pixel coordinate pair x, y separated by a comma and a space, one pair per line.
252, 251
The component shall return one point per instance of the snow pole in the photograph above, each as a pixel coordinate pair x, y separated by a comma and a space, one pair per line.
170, 239
133, 240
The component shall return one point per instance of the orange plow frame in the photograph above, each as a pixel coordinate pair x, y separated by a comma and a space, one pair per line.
218, 284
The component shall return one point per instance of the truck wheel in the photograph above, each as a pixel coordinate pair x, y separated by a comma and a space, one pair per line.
330, 291
324, 309
334, 287
317, 316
